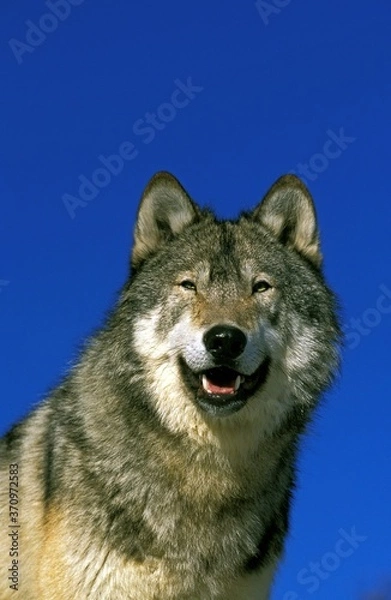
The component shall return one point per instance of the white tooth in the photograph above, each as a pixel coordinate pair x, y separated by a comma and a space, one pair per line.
238, 381
205, 383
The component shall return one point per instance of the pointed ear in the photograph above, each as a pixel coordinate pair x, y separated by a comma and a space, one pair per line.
165, 210
289, 213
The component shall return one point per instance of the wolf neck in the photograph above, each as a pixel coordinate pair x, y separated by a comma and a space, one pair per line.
155, 404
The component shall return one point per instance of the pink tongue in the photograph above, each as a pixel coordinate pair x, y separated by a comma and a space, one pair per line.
214, 388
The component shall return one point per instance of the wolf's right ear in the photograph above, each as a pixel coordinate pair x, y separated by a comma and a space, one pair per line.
165, 210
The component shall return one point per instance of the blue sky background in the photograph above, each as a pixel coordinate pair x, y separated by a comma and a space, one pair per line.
275, 82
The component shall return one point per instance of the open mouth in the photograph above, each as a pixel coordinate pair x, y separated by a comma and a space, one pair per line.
222, 390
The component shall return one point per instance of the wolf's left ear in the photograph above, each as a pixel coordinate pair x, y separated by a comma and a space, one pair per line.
165, 210
288, 212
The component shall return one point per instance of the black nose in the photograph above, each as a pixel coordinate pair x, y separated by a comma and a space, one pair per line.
225, 341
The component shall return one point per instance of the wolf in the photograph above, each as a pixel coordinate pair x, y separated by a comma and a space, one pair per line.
162, 466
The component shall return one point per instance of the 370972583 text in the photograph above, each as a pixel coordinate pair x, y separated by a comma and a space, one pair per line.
13, 533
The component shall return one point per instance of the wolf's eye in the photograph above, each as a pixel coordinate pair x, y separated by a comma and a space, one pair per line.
187, 284
261, 286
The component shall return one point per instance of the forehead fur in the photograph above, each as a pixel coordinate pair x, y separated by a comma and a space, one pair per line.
227, 247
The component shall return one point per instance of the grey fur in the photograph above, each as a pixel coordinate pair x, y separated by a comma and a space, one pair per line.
134, 483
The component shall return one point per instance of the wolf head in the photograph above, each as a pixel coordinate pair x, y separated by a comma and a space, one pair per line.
229, 320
